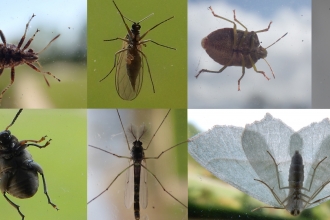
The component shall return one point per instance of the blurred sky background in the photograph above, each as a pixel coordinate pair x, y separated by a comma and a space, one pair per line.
290, 58
65, 58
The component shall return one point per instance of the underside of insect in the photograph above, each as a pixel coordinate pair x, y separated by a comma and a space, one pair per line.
18, 171
232, 47
129, 59
136, 191
13, 55
297, 201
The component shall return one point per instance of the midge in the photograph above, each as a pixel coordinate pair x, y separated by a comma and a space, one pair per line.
18, 172
12, 56
136, 179
232, 47
129, 59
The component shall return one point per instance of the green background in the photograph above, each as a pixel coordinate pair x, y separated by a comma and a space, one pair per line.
168, 67
63, 163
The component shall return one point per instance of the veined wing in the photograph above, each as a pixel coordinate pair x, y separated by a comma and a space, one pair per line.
129, 189
129, 72
143, 186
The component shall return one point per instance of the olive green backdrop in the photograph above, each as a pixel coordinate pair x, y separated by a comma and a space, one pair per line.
168, 67
63, 163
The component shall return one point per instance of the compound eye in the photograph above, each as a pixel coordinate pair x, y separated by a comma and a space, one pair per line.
5, 137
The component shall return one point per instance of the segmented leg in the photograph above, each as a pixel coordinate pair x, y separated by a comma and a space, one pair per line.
12, 77
23, 37
38, 168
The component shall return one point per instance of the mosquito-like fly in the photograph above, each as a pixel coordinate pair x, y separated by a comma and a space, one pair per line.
129, 59
136, 190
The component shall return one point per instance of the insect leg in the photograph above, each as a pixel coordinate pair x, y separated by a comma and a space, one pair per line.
109, 152
38, 168
210, 71
143, 35
255, 68
3, 187
2, 36
163, 186
243, 72
110, 183
264, 30
162, 45
235, 28
12, 77
23, 37
38, 70
122, 17
152, 82
24, 142
30, 40
114, 65
166, 150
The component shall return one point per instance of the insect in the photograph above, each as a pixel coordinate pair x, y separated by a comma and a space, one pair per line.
129, 59
232, 47
270, 161
136, 190
12, 56
18, 172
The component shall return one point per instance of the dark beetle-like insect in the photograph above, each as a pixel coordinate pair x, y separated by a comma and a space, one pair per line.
12, 55
129, 66
18, 172
232, 47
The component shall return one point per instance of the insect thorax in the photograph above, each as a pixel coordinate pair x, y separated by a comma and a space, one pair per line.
10, 57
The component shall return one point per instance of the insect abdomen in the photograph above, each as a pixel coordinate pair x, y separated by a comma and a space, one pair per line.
24, 184
137, 172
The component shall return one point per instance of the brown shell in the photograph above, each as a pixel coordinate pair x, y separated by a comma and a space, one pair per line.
219, 45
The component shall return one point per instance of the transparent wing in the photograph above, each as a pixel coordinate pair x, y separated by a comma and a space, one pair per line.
129, 72
143, 186
315, 144
272, 135
129, 190
220, 151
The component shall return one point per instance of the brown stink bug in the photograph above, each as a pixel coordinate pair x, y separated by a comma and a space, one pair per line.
232, 47
13, 55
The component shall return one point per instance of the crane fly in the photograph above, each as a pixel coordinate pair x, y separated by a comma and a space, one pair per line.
129, 59
136, 190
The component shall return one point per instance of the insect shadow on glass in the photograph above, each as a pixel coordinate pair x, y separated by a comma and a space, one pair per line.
232, 47
12, 56
296, 201
129, 59
136, 184
18, 172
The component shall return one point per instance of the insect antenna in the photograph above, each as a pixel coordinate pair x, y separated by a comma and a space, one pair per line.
269, 47
122, 126
158, 129
49, 44
16, 116
277, 40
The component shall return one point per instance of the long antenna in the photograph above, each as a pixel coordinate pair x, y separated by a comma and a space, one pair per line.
16, 116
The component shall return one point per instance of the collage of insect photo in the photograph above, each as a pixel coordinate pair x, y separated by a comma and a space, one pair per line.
157, 110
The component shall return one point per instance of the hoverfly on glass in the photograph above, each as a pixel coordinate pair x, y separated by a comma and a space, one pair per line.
129, 59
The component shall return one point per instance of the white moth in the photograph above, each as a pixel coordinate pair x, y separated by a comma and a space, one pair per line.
270, 161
